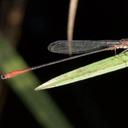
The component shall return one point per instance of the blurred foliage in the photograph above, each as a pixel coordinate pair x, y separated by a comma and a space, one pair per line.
39, 103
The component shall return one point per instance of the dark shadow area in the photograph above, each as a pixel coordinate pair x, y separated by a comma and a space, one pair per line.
99, 102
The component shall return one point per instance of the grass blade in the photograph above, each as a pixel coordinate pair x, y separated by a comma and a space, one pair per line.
40, 104
107, 65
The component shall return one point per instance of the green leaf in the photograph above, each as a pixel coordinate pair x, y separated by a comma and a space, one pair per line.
110, 64
40, 104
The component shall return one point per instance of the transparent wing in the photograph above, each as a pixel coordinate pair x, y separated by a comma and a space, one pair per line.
80, 46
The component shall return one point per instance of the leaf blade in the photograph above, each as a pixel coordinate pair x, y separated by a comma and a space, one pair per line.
101, 67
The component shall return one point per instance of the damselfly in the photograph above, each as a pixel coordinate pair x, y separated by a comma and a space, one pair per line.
81, 47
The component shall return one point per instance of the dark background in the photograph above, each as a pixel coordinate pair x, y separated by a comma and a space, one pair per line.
99, 102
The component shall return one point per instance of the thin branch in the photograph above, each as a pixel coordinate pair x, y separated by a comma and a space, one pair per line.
71, 22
